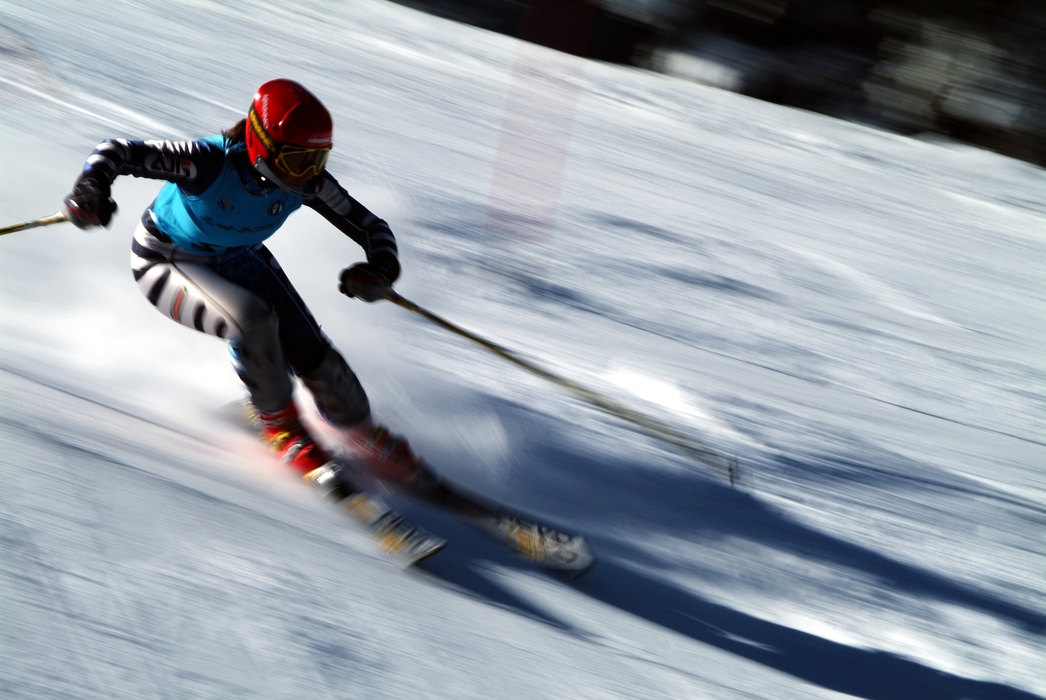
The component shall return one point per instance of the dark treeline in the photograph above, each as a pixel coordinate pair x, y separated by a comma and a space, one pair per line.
972, 70
969, 69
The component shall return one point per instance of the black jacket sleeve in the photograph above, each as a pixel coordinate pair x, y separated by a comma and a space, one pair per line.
193, 165
358, 223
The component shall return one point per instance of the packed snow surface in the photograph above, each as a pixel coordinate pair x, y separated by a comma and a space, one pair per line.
856, 316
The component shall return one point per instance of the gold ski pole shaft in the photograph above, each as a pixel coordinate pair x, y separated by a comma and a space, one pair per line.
707, 456
56, 218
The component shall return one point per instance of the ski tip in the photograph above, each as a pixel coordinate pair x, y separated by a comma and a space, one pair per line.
558, 552
575, 574
435, 547
394, 535
573, 561
413, 550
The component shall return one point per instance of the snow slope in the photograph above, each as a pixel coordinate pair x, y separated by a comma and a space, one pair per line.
857, 316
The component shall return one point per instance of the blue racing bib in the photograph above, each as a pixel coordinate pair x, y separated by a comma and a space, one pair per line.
225, 215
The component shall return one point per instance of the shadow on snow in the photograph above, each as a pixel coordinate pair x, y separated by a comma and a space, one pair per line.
694, 506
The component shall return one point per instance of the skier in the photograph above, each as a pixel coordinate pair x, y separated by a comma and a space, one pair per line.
198, 257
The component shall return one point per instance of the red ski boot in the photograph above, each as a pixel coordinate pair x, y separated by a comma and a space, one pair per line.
387, 454
286, 435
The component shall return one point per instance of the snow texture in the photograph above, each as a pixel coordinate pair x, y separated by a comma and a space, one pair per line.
858, 317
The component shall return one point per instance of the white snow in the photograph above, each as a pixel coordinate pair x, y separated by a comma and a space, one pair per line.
858, 317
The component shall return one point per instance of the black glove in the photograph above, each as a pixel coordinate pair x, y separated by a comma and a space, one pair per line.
90, 203
364, 281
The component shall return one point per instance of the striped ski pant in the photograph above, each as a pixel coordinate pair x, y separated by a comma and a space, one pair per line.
245, 297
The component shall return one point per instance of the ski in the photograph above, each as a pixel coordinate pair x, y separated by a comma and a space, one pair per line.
567, 555
400, 540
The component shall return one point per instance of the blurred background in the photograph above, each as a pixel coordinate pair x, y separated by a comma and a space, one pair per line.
857, 316
969, 70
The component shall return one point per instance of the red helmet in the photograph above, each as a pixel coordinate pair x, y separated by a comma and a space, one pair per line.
288, 134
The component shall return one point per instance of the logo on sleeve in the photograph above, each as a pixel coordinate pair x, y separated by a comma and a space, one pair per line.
171, 164
276, 207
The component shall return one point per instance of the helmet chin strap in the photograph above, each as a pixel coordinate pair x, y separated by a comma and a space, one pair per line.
262, 167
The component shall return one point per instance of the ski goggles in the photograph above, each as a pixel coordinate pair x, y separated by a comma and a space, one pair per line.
297, 161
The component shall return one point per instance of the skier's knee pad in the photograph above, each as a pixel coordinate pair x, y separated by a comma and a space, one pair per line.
337, 391
258, 359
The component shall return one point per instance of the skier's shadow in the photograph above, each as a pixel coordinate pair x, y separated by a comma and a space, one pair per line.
467, 563
863, 673
700, 507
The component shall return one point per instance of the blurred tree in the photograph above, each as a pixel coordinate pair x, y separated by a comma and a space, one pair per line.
972, 69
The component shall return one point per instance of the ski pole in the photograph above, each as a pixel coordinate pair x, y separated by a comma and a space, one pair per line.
56, 218
720, 463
